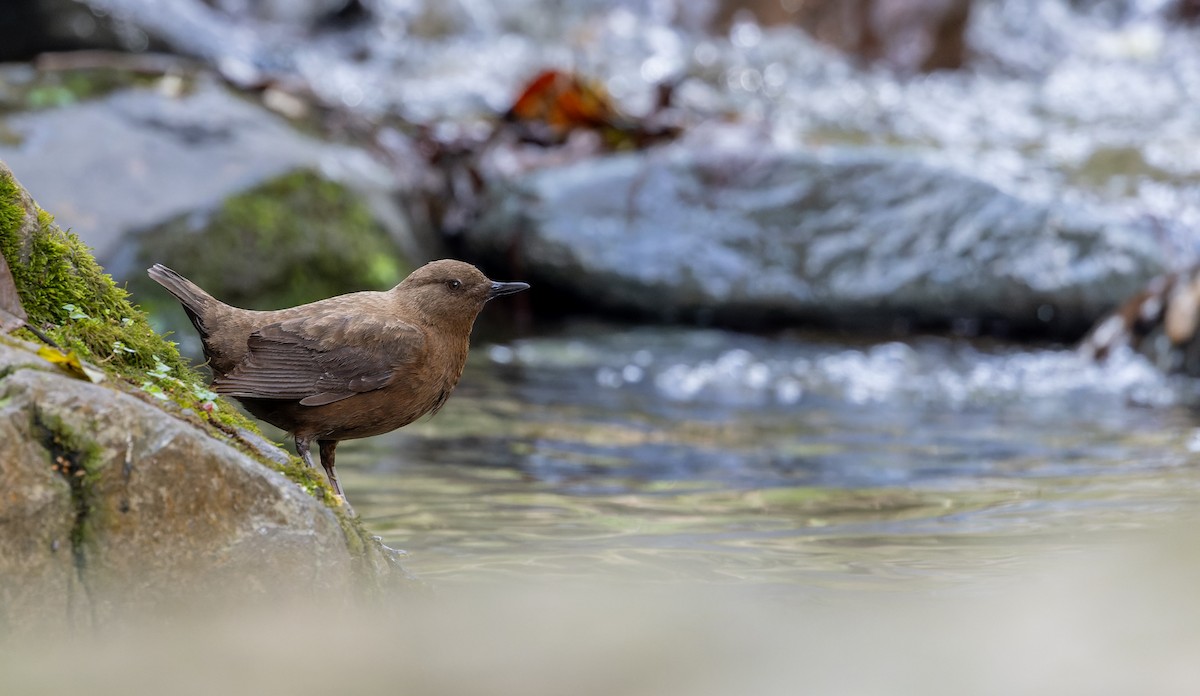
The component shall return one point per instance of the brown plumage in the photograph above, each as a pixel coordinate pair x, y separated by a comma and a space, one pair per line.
350, 366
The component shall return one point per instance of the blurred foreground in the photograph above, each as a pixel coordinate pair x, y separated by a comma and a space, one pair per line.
1121, 620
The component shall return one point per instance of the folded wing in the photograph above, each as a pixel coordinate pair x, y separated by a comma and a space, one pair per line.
321, 360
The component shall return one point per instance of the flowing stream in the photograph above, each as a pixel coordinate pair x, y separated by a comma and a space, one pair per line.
792, 460
797, 459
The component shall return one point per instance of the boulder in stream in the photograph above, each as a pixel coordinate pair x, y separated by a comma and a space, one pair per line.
749, 237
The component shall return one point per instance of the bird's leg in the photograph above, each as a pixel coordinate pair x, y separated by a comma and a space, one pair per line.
327, 447
302, 444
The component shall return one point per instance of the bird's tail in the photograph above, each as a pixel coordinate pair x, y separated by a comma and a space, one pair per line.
195, 301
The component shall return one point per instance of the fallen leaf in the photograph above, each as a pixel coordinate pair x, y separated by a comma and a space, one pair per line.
71, 364
565, 101
12, 314
555, 103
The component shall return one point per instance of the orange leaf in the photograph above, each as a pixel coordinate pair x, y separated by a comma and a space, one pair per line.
565, 102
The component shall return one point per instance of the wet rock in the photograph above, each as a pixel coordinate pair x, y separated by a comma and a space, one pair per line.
29, 27
108, 502
142, 158
748, 237
908, 34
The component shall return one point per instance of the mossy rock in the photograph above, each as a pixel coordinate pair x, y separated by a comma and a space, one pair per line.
295, 239
67, 295
23, 88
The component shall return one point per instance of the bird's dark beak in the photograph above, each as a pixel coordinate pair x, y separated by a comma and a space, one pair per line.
499, 289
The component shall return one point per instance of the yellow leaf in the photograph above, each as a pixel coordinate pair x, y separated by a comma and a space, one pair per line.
70, 363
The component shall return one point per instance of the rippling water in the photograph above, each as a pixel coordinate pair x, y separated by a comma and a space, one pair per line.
793, 459
718, 456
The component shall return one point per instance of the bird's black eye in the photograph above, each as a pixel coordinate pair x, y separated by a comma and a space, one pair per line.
453, 284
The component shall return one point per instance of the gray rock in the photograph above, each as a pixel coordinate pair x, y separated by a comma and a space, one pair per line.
244, 53
301, 13
109, 505
139, 158
30, 27
845, 237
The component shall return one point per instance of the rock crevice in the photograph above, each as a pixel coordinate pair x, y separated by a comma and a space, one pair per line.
69, 459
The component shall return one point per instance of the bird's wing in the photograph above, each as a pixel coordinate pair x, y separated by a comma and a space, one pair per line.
320, 360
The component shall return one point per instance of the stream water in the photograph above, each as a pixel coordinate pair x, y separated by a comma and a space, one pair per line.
791, 465
793, 460
796, 459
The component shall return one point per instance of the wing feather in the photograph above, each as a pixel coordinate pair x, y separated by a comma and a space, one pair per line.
322, 360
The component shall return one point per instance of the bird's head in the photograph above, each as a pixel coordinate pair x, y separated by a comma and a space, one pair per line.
450, 292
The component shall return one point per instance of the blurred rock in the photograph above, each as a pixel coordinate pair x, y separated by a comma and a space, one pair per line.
249, 42
30, 27
306, 13
918, 35
745, 237
294, 239
143, 160
243, 52
1184, 10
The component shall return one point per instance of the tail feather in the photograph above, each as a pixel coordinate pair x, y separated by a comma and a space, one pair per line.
195, 301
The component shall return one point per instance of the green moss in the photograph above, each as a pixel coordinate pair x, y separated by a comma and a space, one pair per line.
47, 89
295, 239
355, 535
68, 295
12, 215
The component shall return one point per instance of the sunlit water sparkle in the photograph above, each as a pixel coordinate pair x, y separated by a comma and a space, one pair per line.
792, 461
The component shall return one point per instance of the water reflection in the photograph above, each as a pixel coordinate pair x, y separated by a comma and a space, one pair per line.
673, 452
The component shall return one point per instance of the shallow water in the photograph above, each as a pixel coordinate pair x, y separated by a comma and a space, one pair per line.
682, 453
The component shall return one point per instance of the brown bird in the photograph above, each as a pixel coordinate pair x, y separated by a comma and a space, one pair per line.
350, 366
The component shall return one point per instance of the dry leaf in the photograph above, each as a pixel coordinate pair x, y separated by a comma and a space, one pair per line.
565, 101
71, 364
555, 103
